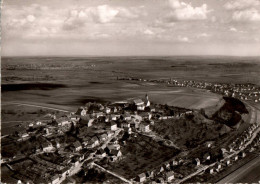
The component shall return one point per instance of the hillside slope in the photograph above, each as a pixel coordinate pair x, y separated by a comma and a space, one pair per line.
192, 130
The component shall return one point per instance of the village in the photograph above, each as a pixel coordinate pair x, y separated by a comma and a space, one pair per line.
246, 92
97, 133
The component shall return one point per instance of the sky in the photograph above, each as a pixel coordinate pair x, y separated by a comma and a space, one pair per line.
130, 27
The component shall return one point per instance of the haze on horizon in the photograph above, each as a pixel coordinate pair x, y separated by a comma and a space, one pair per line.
130, 27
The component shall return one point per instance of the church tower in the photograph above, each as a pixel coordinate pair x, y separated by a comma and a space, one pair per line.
147, 102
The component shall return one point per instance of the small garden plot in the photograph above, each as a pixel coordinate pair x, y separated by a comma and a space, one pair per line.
139, 154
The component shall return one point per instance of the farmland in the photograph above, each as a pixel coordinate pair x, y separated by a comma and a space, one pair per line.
66, 83
74, 81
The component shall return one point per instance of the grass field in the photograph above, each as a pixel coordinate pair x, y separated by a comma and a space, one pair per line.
17, 117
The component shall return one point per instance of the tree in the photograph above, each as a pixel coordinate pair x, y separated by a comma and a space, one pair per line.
72, 128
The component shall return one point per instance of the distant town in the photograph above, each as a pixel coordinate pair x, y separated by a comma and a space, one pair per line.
94, 135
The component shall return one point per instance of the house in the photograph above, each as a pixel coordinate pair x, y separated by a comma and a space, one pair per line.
81, 157
160, 180
141, 177
228, 162
81, 112
99, 114
86, 120
210, 170
101, 152
126, 117
169, 176
152, 109
144, 127
55, 179
63, 121
166, 166
86, 140
209, 144
113, 117
146, 115
230, 149
174, 162
113, 147
47, 147
242, 154
64, 172
114, 140
161, 169
197, 161
136, 120
218, 167
93, 142
110, 134
235, 158
24, 135
75, 161
74, 118
101, 107
151, 122
149, 174
113, 126
113, 158
139, 104
103, 137
114, 109
128, 130
125, 125
38, 123
77, 146
116, 153
46, 131
206, 156
107, 118
107, 110
57, 144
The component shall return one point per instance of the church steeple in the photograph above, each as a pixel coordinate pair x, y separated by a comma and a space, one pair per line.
147, 102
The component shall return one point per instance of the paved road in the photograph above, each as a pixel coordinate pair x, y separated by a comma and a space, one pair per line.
156, 137
33, 105
112, 173
249, 173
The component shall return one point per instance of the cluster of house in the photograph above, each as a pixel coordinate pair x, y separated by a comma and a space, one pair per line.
244, 138
161, 174
43, 170
111, 151
235, 151
241, 91
96, 127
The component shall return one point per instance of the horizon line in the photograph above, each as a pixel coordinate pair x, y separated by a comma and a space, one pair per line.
209, 55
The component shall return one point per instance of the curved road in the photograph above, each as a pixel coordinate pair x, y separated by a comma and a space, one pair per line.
34, 105
248, 173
